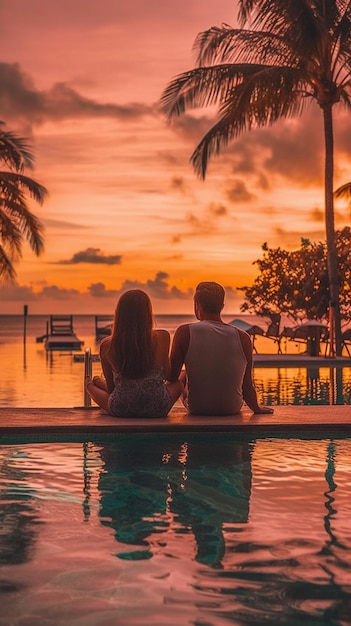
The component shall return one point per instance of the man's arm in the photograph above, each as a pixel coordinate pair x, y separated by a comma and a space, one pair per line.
179, 349
249, 391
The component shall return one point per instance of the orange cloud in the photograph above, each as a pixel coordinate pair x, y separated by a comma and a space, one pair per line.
92, 255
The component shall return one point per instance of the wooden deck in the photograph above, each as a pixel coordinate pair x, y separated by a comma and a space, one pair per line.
103, 326
285, 421
278, 360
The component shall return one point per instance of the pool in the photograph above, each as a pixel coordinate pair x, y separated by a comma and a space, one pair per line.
205, 530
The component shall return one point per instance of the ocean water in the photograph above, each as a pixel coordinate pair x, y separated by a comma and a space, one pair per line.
31, 376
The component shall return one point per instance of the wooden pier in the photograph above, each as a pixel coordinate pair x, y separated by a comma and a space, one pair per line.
61, 335
103, 326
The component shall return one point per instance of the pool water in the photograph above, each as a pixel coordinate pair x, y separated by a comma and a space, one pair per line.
174, 529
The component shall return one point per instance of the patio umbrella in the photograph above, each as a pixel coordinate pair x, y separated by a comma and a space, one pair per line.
312, 329
313, 332
251, 329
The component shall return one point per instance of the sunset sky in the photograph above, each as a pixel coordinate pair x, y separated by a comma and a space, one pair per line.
82, 80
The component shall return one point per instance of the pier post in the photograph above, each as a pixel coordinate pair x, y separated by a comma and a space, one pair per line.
25, 313
88, 370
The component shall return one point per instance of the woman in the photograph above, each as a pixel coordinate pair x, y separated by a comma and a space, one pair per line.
135, 363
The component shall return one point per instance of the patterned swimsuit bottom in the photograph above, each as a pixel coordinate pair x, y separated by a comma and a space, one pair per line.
140, 397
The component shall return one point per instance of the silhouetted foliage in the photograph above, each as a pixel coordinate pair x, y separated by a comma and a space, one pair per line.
297, 284
17, 222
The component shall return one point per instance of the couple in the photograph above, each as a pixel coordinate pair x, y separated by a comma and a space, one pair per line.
141, 380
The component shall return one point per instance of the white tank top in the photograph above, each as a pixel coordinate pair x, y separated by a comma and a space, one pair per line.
215, 365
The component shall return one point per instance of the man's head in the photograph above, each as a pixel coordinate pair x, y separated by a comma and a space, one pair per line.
210, 297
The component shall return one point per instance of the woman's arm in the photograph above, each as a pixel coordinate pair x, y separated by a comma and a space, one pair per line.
179, 350
106, 365
163, 340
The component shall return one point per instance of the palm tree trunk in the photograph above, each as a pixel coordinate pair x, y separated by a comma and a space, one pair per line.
332, 256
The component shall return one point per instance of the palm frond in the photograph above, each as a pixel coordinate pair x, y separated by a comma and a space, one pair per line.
284, 16
345, 95
36, 191
13, 182
343, 192
203, 86
11, 235
306, 26
260, 99
22, 221
14, 151
341, 34
207, 86
7, 271
251, 96
230, 45
265, 96
33, 230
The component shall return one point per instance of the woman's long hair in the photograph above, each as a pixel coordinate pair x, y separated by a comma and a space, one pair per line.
132, 349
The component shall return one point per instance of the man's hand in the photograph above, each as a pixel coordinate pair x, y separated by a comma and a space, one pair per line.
263, 410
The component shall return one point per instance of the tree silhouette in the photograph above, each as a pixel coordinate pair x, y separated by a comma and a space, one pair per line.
17, 222
287, 53
295, 282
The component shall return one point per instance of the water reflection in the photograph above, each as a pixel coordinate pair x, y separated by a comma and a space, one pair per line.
330, 498
243, 532
190, 489
283, 558
335, 555
303, 386
18, 515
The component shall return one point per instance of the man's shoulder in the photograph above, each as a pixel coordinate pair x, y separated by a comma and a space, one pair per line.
183, 329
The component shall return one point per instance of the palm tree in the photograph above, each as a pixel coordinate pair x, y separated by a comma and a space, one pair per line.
16, 220
294, 52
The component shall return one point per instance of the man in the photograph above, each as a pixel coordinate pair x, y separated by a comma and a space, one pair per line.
217, 359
